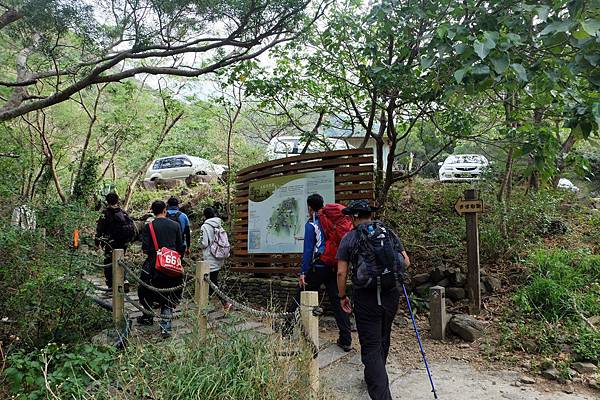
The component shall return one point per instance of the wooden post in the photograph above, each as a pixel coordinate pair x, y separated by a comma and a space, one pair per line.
437, 312
118, 290
201, 296
310, 323
474, 281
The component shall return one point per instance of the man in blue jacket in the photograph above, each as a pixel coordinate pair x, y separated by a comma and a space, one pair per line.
314, 273
174, 214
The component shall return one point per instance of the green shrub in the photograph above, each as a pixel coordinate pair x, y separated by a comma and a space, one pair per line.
586, 345
69, 371
545, 297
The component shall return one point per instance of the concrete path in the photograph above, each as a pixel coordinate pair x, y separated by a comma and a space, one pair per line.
454, 380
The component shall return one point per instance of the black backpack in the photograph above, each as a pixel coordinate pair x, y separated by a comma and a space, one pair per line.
377, 261
175, 217
124, 228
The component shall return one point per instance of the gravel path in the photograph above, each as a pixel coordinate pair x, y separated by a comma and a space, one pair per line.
454, 380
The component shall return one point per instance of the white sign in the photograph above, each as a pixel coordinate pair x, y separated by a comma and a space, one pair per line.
277, 210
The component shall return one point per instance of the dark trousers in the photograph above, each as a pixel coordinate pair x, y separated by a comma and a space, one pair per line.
315, 278
108, 249
151, 299
374, 326
214, 278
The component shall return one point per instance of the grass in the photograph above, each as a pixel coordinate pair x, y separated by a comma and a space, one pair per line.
232, 366
553, 309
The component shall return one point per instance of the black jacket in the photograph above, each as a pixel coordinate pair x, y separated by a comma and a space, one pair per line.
168, 234
106, 227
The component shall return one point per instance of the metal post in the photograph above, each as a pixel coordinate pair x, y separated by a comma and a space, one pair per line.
118, 290
310, 324
474, 283
201, 296
437, 312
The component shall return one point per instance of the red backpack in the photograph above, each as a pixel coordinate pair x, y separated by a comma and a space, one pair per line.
335, 226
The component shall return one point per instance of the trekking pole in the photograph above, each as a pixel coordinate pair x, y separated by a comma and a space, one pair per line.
420, 343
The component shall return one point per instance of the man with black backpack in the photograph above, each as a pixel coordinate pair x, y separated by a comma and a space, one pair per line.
377, 260
174, 214
114, 230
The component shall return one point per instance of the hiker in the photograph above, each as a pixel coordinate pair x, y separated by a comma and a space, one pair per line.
215, 247
377, 260
182, 219
314, 272
163, 244
114, 230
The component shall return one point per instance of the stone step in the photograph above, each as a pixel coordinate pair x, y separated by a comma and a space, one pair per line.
331, 354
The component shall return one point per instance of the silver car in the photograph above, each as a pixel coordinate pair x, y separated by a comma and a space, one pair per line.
462, 167
181, 166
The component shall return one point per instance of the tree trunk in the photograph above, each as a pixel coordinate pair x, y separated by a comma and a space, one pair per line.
136, 176
566, 148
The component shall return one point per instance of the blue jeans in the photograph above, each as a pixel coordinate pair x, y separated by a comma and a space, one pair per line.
165, 324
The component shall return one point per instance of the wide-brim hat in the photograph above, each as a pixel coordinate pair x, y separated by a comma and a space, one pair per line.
358, 206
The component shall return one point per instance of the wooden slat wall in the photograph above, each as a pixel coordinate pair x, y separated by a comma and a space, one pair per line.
353, 180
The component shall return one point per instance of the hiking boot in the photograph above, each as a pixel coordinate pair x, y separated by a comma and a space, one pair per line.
144, 320
345, 347
227, 307
165, 334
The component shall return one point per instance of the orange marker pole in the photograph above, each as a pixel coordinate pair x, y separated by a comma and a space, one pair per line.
76, 239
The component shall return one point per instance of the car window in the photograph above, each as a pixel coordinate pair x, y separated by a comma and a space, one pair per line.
282, 148
167, 163
465, 159
157, 164
181, 162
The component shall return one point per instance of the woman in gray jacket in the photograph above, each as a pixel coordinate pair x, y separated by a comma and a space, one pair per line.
207, 235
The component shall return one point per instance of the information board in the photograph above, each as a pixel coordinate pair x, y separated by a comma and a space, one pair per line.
277, 210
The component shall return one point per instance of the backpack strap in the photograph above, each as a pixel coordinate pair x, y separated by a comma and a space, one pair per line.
153, 235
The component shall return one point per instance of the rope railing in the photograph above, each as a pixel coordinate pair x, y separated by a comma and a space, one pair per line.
101, 265
131, 274
147, 312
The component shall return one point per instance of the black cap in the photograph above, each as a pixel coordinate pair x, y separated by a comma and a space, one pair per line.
358, 206
173, 201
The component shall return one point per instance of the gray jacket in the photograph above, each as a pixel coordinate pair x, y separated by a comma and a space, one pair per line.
207, 235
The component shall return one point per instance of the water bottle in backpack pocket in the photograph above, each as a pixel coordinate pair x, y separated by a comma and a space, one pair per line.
377, 259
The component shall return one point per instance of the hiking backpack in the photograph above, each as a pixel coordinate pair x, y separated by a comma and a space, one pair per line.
219, 247
377, 260
124, 231
335, 226
175, 218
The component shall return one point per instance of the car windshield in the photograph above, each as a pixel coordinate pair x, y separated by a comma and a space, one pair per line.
465, 159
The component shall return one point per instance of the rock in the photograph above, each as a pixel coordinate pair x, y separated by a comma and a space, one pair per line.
547, 363
569, 389
464, 346
457, 278
584, 367
166, 184
491, 284
455, 293
595, 385
444, 283
551, 374
423, 290
438, 274
465, 327
527, 380
196, 180
420, 279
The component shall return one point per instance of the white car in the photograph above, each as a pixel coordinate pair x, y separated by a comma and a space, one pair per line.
181, 166
564, 183
286, 146
462, 167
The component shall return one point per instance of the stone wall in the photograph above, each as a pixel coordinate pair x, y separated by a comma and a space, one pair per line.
278, 292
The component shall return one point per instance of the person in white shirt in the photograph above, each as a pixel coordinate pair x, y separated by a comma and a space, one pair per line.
207, 236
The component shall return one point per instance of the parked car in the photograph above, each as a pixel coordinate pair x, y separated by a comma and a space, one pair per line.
181, 166
564, 183
286, 146
462, 167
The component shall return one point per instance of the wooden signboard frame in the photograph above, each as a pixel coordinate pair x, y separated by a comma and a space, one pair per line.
354, 180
